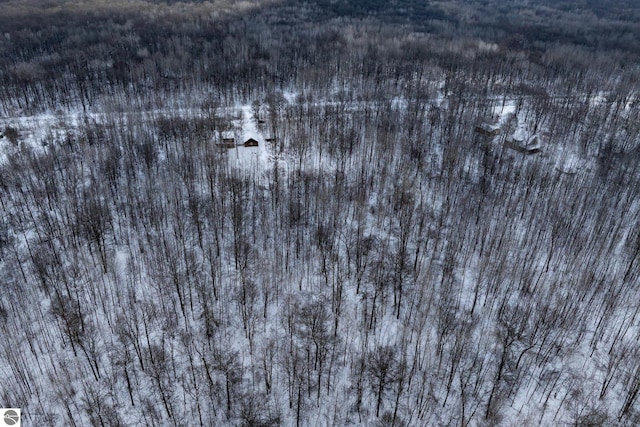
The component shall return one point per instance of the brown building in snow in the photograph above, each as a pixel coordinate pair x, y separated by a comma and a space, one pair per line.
486, 129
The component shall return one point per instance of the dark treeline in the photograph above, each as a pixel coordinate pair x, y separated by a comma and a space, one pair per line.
385, 266
71, 56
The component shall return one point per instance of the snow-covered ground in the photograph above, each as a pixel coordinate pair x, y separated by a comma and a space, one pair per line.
380, 221
255, 160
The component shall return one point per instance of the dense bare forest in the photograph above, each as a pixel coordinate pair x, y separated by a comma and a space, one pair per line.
320, 213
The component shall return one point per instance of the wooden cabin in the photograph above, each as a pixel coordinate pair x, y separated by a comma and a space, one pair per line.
532, 146
486, 129
227, 139
251, 143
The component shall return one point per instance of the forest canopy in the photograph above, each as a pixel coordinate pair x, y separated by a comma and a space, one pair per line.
287, 212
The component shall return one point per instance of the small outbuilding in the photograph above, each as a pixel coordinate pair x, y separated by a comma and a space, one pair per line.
532, 146
228, 136
227, 139
251, 143
485, 129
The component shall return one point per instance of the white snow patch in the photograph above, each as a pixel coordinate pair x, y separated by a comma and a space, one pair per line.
254, 160
504, 111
